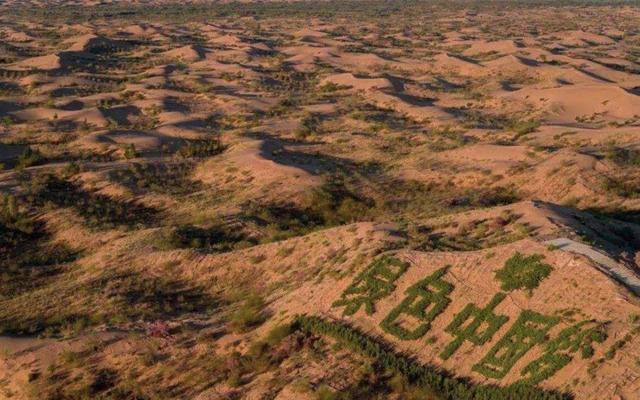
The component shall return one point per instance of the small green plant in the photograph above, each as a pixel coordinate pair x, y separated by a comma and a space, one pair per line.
169, 178
324, 392
7, 121
277, 334
72, 168
214, 238
619, 344
310, 125
130, 151
524, 127
248, 315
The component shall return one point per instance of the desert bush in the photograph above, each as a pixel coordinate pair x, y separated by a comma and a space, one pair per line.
475, 235
617, 345
627, 186
215, 238
330, 205
97, 209
310, 125
26, 257
130, 151
15, 223
148, 297
523, 127
283, 107
162, 178
201, 148
29, 158
249, 314
447, 138
112, 297
623, 156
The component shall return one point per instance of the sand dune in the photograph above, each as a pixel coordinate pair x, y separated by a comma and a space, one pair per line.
179, 181
566, 104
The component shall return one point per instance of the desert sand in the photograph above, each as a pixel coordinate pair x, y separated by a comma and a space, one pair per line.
182, 185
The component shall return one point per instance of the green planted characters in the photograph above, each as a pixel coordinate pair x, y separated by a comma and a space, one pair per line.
559, 351
529, 330
425, 300
523, 272
435, 380
474, 324
374, 283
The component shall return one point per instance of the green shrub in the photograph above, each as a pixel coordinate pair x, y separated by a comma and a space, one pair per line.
310, 125
277, 334
248, 315
170, 178
523, 127
26, 256
201, 148
29, 158
324, 392
215, 238
622, 156
130, 151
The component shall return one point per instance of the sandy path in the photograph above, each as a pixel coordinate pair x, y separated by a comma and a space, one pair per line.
607, 264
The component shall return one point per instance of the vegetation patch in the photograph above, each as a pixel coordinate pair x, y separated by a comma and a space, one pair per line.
523, 272
330, 205
170, 179
435, 379
26, 256
112, 297
474, 235
371, 285
249, 314
201, 148
529, 330
560, 351
467, 324
98, 210
215, 238
425, 300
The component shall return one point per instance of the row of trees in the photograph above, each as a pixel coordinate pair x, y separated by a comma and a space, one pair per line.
433, 378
